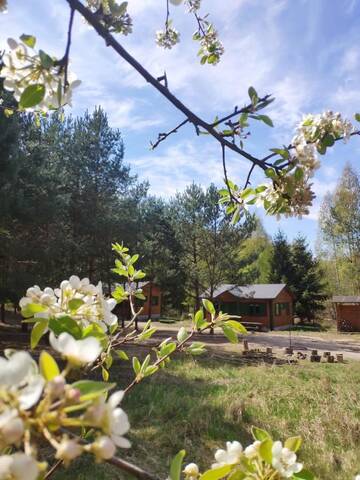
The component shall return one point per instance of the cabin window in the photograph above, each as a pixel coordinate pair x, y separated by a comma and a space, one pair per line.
154, 300
256, 309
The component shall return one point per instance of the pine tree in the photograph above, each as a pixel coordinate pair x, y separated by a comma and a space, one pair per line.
308, 283
281, 266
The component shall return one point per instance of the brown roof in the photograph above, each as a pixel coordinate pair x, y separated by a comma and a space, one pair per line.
346, 299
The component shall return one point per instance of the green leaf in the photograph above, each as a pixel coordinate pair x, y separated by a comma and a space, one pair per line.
299, 174
328, 140
253, 95
182, 335
293, 443
230, 334
37, 332
199, 320
304, 475
105, 374
75, 303
134, 258
122, 355
32, 95
196, 348
209, 307
93, 330
90, 389
265, 450
136, 365
29, 40
48, 367
270, 172
237, 326
45, 59
139, 275
266, 119
150, 370
176, 464
216, 473
65, 324
282, 152
259, 434
357, 117
32, 308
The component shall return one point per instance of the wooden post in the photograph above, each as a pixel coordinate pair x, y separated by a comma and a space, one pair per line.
340, 357
246, 346
269, 350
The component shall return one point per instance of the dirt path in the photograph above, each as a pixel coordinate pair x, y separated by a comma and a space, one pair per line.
304, 343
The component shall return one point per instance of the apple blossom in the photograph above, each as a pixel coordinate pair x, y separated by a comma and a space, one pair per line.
68, 450
113, 420
230, 456
11, 427
167, 38
284, 460
103, 448
20, 374
252, 450
77, 352
18, 466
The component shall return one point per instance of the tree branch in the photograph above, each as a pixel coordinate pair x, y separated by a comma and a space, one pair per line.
191, 116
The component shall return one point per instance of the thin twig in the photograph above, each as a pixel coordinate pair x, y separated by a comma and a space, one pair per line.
53, 469
164, 136
64, 62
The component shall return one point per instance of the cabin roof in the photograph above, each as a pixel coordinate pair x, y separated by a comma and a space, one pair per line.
264, 291
346, 299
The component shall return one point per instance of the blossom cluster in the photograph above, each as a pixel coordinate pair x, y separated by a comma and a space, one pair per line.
36, 79
193, 5
290, 191
167, 38
82, 301
114, 16
38, 402
211, 48
264, 458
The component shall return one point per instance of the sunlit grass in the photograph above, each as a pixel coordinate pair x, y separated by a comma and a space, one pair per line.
199, 404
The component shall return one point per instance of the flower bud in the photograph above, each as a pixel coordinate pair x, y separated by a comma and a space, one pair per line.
56, 387
68, 450
103, 448
13, 431
191, 470
73, 394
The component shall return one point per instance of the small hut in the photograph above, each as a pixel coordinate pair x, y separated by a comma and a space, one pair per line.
347, 310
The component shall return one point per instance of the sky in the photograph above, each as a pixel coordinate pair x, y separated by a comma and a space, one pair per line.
304, 52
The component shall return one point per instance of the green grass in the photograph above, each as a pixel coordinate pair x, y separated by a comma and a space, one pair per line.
199, 404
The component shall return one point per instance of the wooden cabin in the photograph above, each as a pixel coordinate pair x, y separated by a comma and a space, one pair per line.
267, 306
151, 306
347, 311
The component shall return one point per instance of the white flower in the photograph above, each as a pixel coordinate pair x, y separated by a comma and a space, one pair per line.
103, 448
193, 5
113, 420
167, 38
191, 471
11, 428
357, 477
68, 450
284, 460
24, 67
19, 373
252, 450
18, 467
230, 456
77, 352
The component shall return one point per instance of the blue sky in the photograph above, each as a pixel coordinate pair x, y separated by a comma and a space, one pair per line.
305, 52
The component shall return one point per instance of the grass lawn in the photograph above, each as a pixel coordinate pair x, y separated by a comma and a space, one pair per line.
199, 404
